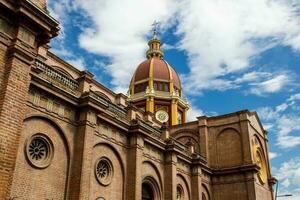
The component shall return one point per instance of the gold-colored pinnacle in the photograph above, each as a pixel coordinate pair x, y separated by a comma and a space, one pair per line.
154, 44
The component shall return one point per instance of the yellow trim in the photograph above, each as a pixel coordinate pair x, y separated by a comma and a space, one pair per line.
151, 74
184, 115
150, 104
174, 112
131, 87
259, 159
142, 81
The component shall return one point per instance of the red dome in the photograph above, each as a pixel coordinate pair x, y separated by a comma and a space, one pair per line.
160, 70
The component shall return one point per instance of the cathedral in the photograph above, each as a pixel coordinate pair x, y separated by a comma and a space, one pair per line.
63, 135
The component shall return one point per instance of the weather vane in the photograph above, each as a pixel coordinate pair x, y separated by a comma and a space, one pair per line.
155, 27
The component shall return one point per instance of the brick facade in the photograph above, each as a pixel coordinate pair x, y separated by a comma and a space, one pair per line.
65, 136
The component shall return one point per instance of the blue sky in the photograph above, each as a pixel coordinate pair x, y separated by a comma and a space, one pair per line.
231, 55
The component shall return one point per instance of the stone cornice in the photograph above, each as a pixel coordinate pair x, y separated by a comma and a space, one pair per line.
38, 18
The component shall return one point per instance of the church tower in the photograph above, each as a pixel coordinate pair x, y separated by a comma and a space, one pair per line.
155, 87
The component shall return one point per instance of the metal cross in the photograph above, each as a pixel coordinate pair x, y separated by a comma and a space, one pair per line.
155, 27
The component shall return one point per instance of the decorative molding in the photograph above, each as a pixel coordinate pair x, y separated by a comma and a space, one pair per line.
51, 104
57, 77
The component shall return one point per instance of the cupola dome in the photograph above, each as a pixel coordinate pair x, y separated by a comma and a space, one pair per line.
155, 87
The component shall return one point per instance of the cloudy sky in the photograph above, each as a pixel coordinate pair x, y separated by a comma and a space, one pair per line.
231, 55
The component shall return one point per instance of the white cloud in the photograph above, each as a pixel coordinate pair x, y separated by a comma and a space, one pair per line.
59, 10
79, 63
284, 121
267, 113
268, 126
272, 85
222, 37
273, 155
252, 76
193, 113
119, 29
294, 97
288, 175
286, 125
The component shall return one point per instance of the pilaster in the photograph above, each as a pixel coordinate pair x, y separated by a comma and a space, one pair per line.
170, 173
79, 182
174, 110
203, 137
245, 135
196, 180
150, 104
135, 155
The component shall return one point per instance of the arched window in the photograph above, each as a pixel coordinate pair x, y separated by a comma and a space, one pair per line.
147, 192
179, 192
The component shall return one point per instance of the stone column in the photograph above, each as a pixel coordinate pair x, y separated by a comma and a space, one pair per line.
170, 173
134, 172
196, 179
81, 165
203, 137
245, 136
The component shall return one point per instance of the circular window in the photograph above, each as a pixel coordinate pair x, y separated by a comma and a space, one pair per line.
104, 171
39, 151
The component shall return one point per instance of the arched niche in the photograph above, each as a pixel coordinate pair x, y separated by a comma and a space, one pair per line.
229, 148
188, 137
112, 187
151, 170
205, 193
190, 141
150, 189
183, 184
32, 174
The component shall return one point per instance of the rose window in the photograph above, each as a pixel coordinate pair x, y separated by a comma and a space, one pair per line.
39, 151
104, 171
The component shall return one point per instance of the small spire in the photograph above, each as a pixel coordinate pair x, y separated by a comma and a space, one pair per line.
155, 27
154, 43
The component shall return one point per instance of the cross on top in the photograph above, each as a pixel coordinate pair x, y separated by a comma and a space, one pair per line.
155, 27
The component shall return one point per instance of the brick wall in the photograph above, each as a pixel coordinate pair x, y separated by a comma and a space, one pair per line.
33, 183
12, 106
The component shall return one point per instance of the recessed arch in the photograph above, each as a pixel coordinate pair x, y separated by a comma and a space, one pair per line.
205, 193
156, 171
185, 183
54, 124
150, 182
229, 148
228, 129
185, 132
48, 131
117, 155
113, 186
